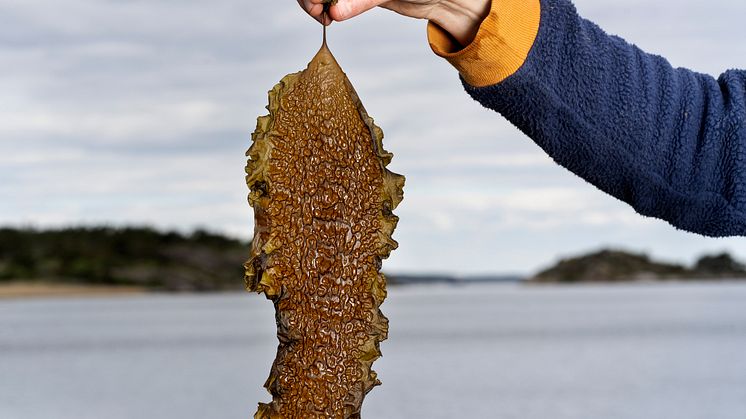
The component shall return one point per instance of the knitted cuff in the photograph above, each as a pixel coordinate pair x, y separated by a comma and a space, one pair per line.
501, 46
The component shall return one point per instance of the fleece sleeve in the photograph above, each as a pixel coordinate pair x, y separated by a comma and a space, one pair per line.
668, 141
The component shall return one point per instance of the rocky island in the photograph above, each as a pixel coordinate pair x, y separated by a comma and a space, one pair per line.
617, 266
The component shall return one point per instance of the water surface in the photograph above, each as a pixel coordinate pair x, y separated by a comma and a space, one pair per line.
502, 351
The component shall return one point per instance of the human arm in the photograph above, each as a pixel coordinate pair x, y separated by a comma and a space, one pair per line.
670, 142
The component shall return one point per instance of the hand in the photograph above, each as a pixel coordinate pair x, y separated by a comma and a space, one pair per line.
461, 18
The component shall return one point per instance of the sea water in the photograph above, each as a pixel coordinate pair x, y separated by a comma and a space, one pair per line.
643, 351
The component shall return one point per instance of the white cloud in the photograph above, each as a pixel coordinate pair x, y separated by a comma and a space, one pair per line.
164, 120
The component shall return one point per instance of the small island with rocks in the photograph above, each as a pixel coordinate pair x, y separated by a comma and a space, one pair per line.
619, 266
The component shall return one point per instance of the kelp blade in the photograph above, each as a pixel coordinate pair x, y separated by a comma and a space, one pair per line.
323, 202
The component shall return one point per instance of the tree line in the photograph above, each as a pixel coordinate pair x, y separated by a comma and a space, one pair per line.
133, 256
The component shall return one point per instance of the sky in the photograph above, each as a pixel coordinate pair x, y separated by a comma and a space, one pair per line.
135, 112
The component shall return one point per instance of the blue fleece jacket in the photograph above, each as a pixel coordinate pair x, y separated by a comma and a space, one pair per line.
670, 142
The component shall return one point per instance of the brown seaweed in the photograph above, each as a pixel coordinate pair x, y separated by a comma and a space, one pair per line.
323, 202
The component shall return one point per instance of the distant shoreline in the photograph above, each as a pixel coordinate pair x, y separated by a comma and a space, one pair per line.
32, 290
29, 289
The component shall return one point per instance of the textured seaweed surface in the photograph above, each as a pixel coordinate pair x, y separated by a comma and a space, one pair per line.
322, 200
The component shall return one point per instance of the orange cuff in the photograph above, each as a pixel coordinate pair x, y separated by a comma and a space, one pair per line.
501, 46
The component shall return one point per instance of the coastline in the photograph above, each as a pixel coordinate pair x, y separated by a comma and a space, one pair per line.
29, 289
23, 290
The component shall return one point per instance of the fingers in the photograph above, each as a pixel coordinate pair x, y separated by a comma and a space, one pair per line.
346, 9
315, 9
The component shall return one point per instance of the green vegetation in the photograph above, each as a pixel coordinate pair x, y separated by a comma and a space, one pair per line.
614, 265
123, 256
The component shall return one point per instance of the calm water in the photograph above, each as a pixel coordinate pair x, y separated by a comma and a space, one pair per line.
506, 351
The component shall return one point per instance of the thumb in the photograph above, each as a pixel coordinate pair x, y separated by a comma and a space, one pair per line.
346, 9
